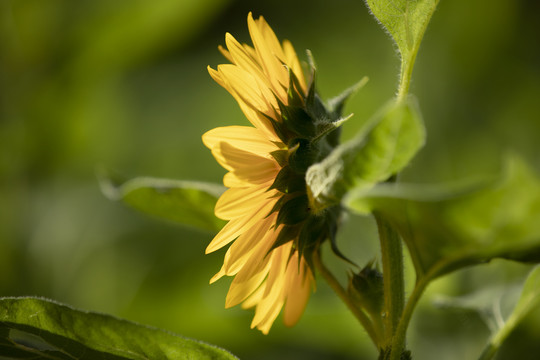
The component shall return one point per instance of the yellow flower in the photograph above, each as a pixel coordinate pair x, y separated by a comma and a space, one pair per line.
273, 230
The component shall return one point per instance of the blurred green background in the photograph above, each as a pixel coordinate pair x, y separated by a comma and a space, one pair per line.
123, 84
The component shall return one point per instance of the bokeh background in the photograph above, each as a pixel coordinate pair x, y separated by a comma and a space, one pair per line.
123, 84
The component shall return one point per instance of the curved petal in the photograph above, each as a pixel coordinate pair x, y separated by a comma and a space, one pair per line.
299, 280
237, 226
264, 44
238, 202
242, 137
294, 64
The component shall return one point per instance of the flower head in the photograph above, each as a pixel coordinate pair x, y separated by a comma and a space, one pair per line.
271, 225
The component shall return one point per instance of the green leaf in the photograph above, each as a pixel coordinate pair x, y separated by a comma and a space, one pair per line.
449, 228
189, 203
530, 296
385, 147
406, 21
528, 301
489, 302
37, 328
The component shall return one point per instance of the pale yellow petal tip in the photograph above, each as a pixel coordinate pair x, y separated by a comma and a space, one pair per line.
229, 37
214, 74
210, 249
218, 276
207, 139
263, 327
291, 318
225, 52
251, 22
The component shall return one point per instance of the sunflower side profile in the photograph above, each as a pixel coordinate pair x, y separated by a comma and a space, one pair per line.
271, 226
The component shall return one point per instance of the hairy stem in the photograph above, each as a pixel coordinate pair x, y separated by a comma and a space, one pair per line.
405, 77
393, 279
398, 341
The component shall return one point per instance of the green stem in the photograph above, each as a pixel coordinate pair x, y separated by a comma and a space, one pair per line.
393, 280
405, 77
342, 293
497, 340
401, 330
489, 352
422, 282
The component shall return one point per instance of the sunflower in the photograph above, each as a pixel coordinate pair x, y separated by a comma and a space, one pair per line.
270, 224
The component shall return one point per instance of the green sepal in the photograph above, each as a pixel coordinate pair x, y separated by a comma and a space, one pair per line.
367, 290
281, 156
288, 182
326, 129
294, 211
281, 182
331, 216
336, 104
303, 157
287, 233
384, 354
279, 128
311, 234
314, 105
297, 183
297, 120
277, 206
294, 95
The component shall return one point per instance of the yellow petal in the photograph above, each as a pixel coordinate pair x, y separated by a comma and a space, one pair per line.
259, 121
294, 64
279, 257
242, 137
218, 275
298, 290
238, 202
236, 226
274, 286
225, 53
246, 166
242, 58
251, 247
231, 180
232, 157
247, 87
242, 288
249, 278
216, 76
228, 233
252, 53
270, 315
271, 39
273, 68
